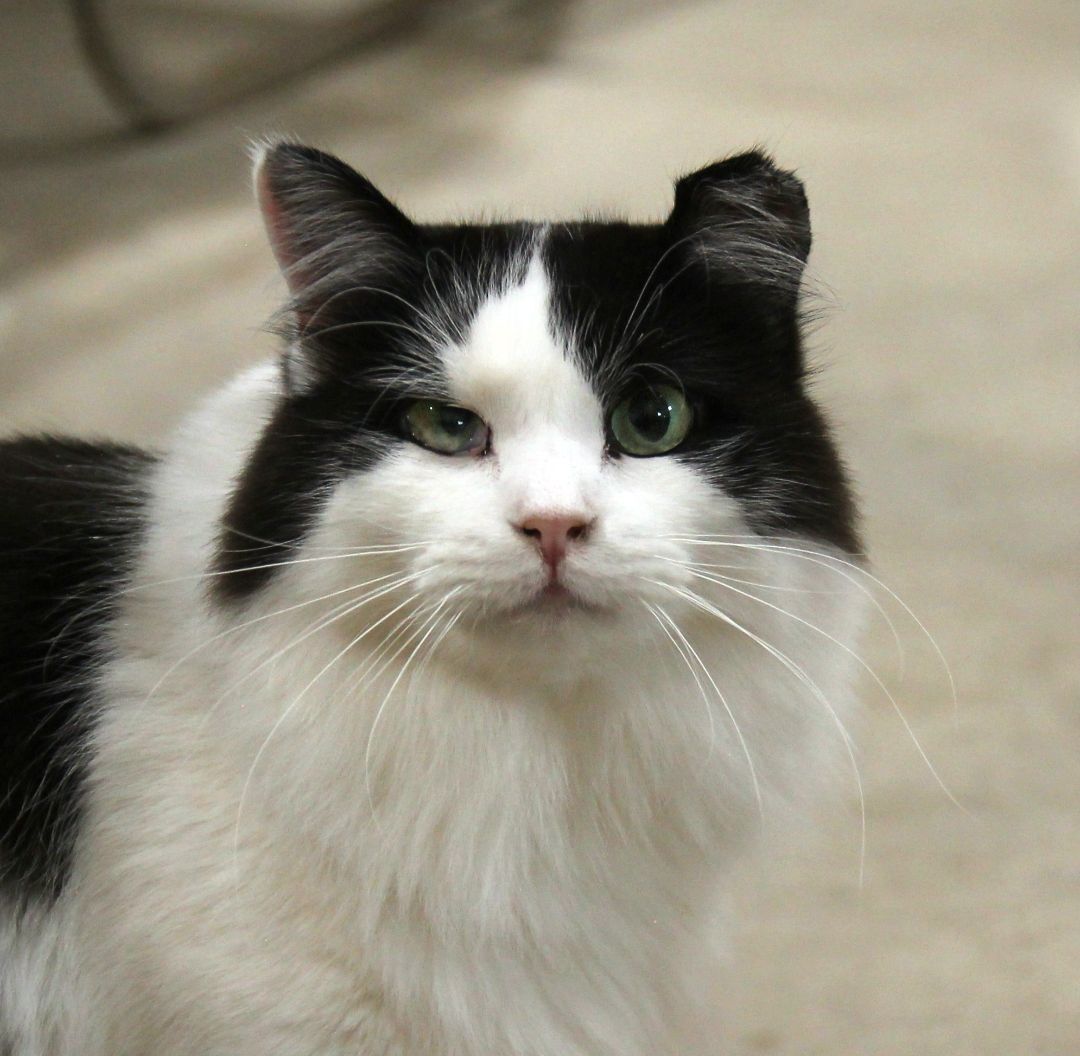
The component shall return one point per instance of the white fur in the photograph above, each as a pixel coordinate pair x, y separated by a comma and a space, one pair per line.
513, 848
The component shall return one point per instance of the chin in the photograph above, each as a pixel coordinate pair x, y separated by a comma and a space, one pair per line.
553, 635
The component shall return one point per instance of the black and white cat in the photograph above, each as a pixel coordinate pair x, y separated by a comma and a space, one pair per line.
415, 700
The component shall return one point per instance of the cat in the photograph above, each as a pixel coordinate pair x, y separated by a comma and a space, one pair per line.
418, 697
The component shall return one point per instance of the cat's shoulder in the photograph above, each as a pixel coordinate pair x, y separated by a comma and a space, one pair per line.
71, 514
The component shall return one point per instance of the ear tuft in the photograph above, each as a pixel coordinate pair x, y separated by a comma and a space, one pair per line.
748, 219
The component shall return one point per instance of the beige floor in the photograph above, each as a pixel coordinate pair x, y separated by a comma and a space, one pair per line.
941, 146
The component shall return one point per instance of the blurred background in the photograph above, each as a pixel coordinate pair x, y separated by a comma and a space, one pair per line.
940, 145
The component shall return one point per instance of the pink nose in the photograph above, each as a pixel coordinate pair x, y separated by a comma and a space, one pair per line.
552, 535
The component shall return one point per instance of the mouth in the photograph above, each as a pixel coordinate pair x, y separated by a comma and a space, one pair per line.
555, 594
556, 602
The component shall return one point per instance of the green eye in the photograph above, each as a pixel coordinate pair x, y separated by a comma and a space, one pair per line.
652, 421
447, 429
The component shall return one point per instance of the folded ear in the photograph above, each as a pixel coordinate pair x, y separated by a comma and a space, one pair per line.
322, 216
748, 220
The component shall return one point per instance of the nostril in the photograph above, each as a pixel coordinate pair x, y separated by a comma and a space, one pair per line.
552, 533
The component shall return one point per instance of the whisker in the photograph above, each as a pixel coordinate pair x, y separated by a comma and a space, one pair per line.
698, 602
292, 561
431, 623
903, 604
861, 662
748, 582
435, 645
106, 602
379, 655
715, 538
303, 544
315, 628
657, 613
259, 619
195, 576
723, 700
822, 559
296, 700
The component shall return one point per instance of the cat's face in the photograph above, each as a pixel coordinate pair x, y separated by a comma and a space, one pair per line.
537, 427
542, 516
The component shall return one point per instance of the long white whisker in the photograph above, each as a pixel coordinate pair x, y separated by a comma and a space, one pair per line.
315, 628
830, 561
305, 544
380, 658
370, 552
431, 623
137, 588
899, 601
438, 641
374, 552
723, 700
697, 601
656, 613
859, 660
295, 701
323, 624
712, 566
266, 616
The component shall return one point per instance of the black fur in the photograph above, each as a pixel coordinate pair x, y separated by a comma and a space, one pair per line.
70, 519
737, 354
711, 297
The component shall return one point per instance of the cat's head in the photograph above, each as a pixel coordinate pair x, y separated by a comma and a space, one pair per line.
534, 427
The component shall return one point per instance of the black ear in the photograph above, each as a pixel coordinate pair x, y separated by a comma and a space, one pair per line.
322, 216
342, 247
748, 220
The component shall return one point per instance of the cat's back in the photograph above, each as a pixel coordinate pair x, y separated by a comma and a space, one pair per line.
71, 514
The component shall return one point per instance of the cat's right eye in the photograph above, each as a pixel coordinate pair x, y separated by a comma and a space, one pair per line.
447, 429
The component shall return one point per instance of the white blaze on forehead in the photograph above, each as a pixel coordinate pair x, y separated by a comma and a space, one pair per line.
517, 373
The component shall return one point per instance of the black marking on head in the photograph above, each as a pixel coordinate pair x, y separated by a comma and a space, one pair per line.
710, 299
69, 526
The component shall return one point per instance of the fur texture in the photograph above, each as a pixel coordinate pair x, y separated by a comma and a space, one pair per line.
368, 774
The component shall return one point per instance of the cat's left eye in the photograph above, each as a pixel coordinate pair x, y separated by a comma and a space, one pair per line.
447, 429
653, 420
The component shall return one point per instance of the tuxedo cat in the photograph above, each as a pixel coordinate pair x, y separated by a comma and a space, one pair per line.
415, 699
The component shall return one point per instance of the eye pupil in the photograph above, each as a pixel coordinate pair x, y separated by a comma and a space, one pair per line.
650, 416
452, 419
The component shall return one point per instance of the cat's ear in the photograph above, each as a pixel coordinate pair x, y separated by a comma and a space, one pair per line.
747, 220
340, 245
321, 216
